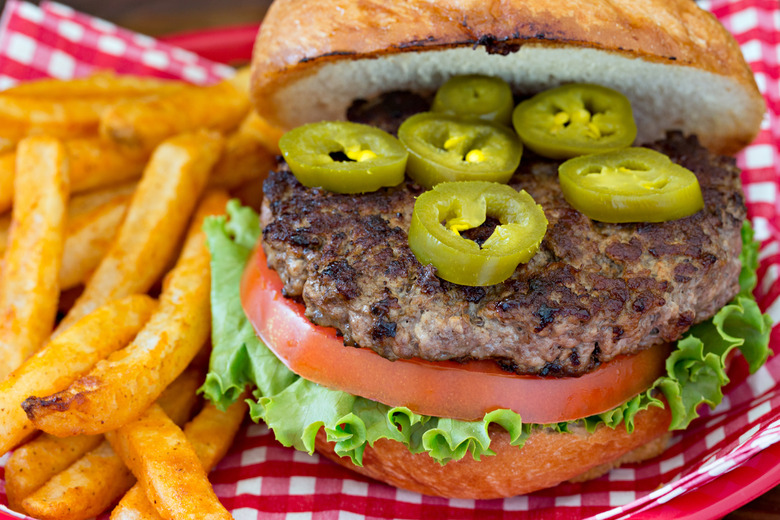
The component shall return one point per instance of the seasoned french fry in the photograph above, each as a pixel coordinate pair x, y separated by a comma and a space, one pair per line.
99, 478
31, 465
244, 158
266, 133
156, 218
22, 116
242, 80
5, 231
119, 389
7, 168
78, 206
135, 506
83, 203
180, 397
147, 122
89, 237
31, 264
102, 84
68, 109
210, 433
96, 162
7, 145
93, 220
93, 163
67, 357
166, 466
75, 488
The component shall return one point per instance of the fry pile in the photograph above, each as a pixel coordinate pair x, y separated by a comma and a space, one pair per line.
104, 290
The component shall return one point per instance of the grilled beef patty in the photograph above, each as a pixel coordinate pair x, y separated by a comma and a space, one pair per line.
592, 292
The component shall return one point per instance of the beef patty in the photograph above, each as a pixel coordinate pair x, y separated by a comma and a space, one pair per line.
592, 292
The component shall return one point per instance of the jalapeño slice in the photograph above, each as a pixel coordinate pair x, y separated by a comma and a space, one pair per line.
443, 148
476, 96
630, 185
441, 214
574, 120
344, 157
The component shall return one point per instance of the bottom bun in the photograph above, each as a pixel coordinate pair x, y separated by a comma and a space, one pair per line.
547, 459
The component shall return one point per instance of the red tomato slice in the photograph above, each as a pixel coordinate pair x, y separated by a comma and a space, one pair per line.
465, 391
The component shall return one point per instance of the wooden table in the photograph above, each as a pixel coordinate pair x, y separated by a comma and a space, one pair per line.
156, 17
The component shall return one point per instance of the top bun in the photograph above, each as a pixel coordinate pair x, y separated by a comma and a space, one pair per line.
679, 67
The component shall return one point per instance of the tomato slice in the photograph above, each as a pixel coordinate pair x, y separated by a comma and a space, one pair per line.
465, 391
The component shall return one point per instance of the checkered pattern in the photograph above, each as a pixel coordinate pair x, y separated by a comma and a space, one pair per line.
53, 40
726, 450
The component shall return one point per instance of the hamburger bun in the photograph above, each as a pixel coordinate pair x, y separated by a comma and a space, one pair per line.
677, 65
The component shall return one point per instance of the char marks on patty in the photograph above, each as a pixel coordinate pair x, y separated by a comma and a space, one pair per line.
592, 292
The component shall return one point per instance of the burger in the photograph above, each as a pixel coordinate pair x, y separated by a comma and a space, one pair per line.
607, 335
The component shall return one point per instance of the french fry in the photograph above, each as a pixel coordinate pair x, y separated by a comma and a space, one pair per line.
31, 264
96, 480
167, 467
68, 109
210, 434
5, 232
79, 205
266, 133
7, 145
180, 397
22, 116
120, 388
93, 220
75, 488
212, 431
31, 465
89, 237
244, 158
96, 163
7, 168
147, 122
242, 79
102, 84
156, 218
83, 203
135, 506
67, 357
93, 163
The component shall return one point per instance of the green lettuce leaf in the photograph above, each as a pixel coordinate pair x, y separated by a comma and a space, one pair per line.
238, 358
297, 409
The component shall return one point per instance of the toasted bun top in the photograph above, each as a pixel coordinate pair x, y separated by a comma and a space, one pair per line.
679, 67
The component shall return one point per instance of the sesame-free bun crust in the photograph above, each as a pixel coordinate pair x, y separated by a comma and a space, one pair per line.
679, 67
547, 459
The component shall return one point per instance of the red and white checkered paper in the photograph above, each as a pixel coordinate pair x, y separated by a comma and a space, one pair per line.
261, 479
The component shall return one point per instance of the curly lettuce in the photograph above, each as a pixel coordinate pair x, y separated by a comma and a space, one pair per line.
296, 409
